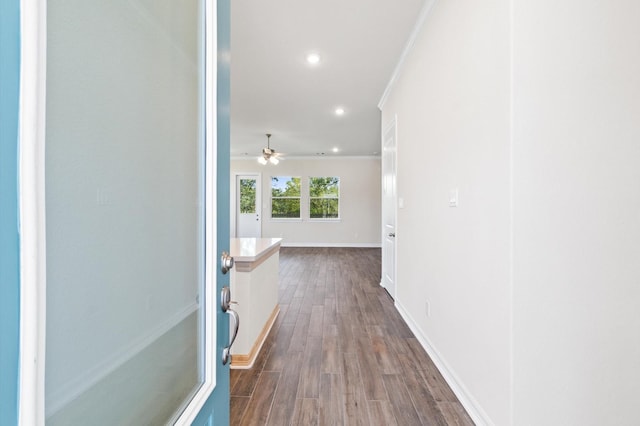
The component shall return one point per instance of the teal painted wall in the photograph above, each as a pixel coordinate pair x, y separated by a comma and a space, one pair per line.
9, 238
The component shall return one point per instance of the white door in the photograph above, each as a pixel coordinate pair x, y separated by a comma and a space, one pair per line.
389, 209
248, 202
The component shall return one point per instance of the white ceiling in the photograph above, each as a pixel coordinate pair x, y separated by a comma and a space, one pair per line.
274, 90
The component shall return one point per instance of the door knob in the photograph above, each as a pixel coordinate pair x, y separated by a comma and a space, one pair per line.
392, 234
226, 262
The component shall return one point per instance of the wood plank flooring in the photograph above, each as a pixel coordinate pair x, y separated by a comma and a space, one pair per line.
339, 352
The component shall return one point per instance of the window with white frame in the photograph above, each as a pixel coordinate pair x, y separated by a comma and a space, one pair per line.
285, 197
324, 198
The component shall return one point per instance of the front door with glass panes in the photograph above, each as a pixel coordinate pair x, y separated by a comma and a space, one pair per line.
134, 228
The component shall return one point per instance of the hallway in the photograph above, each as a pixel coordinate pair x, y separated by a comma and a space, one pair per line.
339, 353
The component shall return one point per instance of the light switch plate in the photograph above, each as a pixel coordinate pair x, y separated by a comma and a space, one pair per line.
453, 198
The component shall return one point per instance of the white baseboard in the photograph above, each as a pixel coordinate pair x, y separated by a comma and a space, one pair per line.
475, 411
248, 360
349, 245
80, 384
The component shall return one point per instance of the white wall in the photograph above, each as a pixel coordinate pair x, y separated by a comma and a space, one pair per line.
452, 104
577, 212
531, 110
360, 208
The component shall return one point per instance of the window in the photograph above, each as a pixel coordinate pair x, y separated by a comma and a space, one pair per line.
324, 198
247, 196
285, 197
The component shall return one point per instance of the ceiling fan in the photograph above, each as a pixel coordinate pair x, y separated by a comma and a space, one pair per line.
269, 155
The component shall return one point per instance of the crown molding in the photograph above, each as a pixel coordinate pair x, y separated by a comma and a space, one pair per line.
310, 157
422, 17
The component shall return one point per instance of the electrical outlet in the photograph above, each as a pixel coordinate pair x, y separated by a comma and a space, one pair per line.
427, 308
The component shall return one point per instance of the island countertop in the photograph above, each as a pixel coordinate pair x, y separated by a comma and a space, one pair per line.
250, 252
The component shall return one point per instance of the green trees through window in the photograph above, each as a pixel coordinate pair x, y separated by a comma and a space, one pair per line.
247, 195
324, 197
285, 197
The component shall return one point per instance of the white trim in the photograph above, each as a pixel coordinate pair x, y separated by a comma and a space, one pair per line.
76, 387
422, 17
33, 30
255, 351
194, 407
470, 404
311, 157
511, 215
351, 245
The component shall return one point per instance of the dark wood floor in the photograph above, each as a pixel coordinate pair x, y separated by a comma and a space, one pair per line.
339, 353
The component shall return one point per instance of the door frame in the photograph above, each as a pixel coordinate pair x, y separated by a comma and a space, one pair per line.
234, 201
31, 177
31, 210
392, 125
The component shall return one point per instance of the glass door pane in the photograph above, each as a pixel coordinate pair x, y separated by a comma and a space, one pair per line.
248, 196
124, 210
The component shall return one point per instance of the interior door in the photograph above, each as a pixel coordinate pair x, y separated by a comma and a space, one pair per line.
248, 203
136, 213
389, 198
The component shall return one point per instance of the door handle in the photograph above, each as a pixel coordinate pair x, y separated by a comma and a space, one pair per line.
225, 302
226, 352
392, 234
226, 262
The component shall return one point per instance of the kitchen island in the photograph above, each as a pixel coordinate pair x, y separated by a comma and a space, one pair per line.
254, 286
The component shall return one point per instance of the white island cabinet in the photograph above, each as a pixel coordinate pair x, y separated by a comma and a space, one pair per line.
254, 286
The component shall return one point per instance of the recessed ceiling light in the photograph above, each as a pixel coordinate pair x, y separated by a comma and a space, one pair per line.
339, 111
313, 58
335, 149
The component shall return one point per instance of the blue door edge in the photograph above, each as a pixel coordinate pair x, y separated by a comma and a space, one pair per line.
9, 211
216, 410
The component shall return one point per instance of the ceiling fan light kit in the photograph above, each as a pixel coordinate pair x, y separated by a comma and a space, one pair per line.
268, 155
